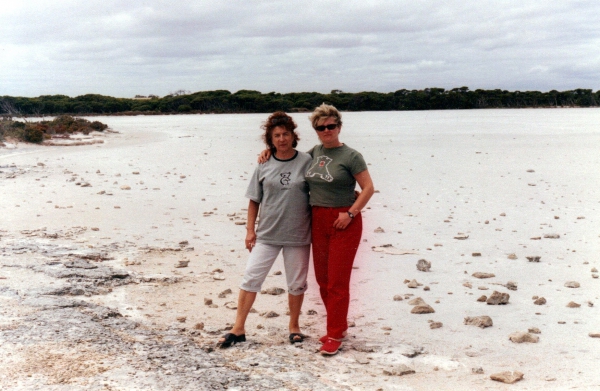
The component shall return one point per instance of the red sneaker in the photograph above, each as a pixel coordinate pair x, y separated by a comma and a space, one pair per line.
331, 347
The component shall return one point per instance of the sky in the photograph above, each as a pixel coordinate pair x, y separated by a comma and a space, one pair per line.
125, 48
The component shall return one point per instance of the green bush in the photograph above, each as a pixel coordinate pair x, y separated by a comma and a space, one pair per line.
33, 134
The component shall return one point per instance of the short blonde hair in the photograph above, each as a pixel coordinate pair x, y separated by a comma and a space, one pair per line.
325, 111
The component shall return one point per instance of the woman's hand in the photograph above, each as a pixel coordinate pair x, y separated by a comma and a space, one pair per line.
342, 221
264, 156
250, 240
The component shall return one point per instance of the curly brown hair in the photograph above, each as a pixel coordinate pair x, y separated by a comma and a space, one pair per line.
279, 118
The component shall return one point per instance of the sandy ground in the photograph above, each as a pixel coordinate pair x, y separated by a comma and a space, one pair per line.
91, 297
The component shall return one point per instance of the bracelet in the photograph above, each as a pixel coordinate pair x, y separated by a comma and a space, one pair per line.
350, 214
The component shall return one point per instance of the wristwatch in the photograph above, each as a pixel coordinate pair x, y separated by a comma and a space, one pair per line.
350, 214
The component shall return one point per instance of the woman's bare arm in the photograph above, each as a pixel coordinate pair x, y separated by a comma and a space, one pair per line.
250, 226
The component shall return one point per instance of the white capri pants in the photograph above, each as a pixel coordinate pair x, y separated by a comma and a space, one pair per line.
262, 257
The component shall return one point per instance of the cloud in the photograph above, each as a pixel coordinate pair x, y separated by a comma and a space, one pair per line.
124, 48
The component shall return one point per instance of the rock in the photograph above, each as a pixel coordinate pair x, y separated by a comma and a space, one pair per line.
218, 277
422, 309
273, 291
476, 254
534, 258
398, 298
311, 312
572, 304
207, 301
594, 270
477, 371
199, 326
231, 305
482, 298
423, 265
594, 335
277, 273
572, 284
479, 321
181, 319
512, 256
435, 325
552, 236
507, 377
483, 275
461, 237
468, 285
399, 370
511, 285
181, 264
426, 288
417, 301
498, 298
540, 301
379, 230
534, 330
270, 314
125, 187
413, 284
521, 337
594, 275
225, 293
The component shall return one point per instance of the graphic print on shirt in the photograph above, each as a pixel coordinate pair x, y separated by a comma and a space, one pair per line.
285, 178
320, 168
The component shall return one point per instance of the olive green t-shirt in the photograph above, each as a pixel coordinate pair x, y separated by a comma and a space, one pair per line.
331, 175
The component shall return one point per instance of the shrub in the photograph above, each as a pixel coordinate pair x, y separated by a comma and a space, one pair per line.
98, 126
33, 134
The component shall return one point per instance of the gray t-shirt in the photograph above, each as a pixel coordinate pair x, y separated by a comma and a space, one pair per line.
279, 186
331, 175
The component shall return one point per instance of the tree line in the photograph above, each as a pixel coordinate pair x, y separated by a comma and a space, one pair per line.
248, 101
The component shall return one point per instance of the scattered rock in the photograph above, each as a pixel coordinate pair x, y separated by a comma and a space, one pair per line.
461, 237
507, 377
468, 285
231, 305
225, 293
270, 314
399, 370
273, 291
572, 284
311, 312
423, 265
522, 337
477, 371
398, 298
479, 321
552, 236
379, 230
181, 319
483, 275
417, 301
181, 264
540, 301
594, 270
207, 301
482, 299
476, 254
572, 304
414, 284
498, 298
426, 288
199, 326
511, 285
125, 187
277, 273
435, 325
534, 330
422, 309
512, 256
594, 335
533, 258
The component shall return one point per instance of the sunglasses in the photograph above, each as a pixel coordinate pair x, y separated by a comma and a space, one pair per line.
328, 127
280, 120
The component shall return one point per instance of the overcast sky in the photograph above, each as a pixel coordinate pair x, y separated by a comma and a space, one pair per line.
123, 48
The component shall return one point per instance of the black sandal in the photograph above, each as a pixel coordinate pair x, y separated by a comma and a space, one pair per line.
297, 337
230, 339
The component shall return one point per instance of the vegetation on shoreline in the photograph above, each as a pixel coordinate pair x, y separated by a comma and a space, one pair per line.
36, 132
247, 101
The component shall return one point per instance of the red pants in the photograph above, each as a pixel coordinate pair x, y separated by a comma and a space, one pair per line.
333, 255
